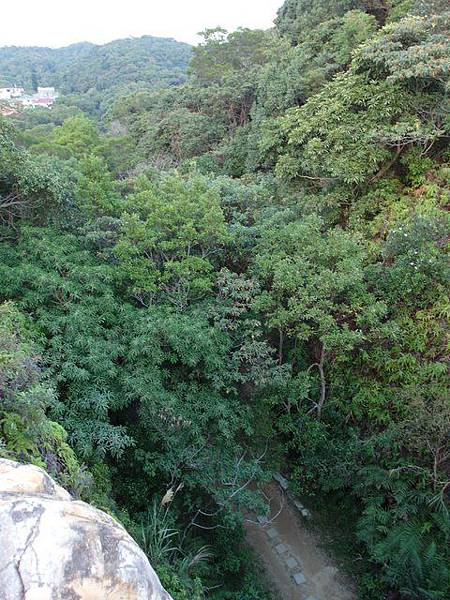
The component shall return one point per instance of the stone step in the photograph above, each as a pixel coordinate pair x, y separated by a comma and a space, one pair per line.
262, 520
281, 549
292, 563
282, 481
299, 578
298, 505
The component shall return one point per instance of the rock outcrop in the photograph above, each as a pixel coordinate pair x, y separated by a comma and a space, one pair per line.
55, 548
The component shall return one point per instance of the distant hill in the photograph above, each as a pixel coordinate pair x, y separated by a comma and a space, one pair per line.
89, 68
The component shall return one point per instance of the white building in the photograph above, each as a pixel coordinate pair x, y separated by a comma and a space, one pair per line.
9, 93
15, 97
25, 100
46, 92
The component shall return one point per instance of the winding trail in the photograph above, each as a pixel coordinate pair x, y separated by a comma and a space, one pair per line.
290, 553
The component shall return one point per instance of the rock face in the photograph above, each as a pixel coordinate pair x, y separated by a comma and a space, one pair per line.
55, 548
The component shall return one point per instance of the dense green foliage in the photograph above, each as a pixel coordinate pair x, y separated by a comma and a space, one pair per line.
26, 432
245, 273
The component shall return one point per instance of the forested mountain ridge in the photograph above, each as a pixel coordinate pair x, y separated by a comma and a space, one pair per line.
92, 69
244, 273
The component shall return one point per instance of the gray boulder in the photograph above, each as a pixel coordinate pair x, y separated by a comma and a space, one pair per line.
55, 548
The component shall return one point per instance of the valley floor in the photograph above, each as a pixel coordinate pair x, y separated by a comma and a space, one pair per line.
295, 564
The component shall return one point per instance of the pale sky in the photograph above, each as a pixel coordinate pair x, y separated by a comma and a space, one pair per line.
61, 22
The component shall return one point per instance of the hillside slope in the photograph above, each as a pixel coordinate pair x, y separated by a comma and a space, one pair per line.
83, 67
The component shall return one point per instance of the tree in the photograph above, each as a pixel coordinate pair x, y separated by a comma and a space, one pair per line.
221, 53
172, 229
296, 17
25, 431
77, 136
78, 315
316, 292
29, 188
371, 114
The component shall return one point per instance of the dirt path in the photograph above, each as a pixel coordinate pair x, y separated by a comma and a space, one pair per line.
295, 564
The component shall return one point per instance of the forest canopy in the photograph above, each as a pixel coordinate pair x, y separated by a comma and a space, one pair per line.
236, 268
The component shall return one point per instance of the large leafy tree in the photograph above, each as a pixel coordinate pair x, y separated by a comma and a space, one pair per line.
222, 54
317, 292
29, 188
172, 232
296, 17
66, 290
